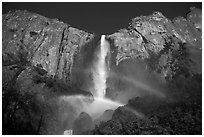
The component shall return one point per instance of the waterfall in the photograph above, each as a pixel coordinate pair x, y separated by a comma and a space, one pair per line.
100, 103
101, 73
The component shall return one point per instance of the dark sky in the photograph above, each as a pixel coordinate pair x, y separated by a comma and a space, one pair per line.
101, 18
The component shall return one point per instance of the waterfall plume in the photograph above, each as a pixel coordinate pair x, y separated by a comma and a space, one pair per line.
101, 73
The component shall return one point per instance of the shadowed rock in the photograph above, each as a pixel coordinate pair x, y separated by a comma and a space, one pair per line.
82, 123
107, 115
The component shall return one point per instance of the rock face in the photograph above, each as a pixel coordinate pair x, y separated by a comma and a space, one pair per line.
107, 115
45, 43
82, 123
154, 47
160, 41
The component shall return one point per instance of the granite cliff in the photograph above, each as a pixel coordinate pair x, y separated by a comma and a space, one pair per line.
157, 36
46, 43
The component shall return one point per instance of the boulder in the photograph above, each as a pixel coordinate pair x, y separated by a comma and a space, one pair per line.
82, 124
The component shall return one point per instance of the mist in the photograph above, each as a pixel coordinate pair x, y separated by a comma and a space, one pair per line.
90, 72
132, 78
81, 74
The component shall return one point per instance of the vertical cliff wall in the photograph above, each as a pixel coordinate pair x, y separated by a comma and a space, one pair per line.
46, 43
153, 50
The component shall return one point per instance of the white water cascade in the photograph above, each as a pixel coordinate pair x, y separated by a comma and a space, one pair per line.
100, 74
